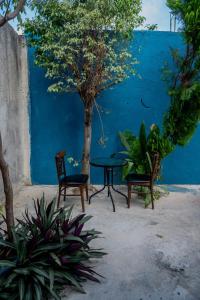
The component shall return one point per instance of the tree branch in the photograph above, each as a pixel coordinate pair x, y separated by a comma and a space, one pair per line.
2, 2
14, 14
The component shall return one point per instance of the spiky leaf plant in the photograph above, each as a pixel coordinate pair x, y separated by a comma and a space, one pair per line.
49, 251
139, 150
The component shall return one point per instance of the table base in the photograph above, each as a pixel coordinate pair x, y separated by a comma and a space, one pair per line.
108, 182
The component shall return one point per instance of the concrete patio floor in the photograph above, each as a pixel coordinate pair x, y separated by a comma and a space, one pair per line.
151, 254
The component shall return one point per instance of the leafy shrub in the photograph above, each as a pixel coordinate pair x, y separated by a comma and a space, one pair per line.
139, 150
183, 115
47, 252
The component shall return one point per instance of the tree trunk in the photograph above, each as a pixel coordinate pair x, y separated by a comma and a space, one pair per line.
87, 139
7, 190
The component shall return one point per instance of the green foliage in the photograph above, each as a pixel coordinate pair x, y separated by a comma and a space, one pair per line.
139, 150
143, 139
73, 162
79, 43
151, 27
7, 6
158, 143
157, 194
183, 116
139, 153
48, 251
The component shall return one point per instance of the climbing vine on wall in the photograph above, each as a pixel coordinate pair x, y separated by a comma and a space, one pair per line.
183, 116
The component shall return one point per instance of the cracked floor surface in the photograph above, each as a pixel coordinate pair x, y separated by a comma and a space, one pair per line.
151, 254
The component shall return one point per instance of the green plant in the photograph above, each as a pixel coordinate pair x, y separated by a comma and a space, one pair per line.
183, 115
48, 251
158, 192
84, 46
72, 161
151, 27
157, 142
139, 150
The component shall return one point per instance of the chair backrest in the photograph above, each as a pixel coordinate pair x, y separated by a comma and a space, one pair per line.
60, 164
155, 166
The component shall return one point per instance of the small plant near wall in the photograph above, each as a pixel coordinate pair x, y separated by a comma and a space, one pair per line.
139, 152
48, 252
72, 161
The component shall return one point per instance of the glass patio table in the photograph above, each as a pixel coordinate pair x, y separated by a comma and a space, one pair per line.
108, 165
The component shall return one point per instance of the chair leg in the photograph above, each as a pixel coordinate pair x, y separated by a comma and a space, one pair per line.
65, 192
152, 198
86, 190
82, 198
59, 194
129, 195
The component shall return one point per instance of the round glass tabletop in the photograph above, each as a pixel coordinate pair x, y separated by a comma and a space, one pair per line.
108, 162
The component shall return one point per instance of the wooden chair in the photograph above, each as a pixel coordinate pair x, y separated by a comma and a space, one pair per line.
65, 182
144, 180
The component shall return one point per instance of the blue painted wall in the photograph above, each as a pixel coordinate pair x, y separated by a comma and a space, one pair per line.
57, 120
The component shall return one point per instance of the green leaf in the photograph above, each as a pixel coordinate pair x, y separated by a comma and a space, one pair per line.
21, 285
51, 278
28, 292
7, 263
37, 291
149, 160
53, 293
48, 247
85, 219
55, 258
73, 238
6, 244
71, 279
22, 271
40, 279
40, 272
10, 278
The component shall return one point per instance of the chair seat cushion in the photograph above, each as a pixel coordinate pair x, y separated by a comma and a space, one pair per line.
75, 179
138, 178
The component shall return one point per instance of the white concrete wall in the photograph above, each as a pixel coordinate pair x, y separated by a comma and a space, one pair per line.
14, 124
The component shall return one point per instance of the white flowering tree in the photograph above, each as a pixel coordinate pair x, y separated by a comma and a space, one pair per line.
84, 46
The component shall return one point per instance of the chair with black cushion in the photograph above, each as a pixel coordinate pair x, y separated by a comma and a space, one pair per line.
65, 182
144, 180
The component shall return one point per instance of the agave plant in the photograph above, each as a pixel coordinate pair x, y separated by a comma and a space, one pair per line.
48, 251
